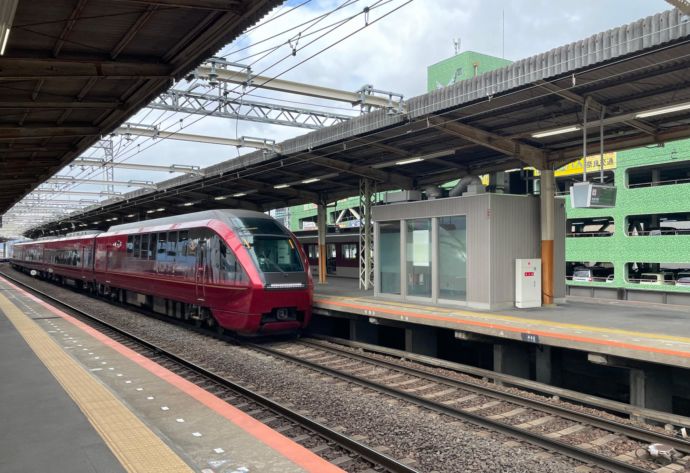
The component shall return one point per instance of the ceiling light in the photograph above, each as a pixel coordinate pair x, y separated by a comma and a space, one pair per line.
7, 10
661, 111
281, 186
150, 211
160, 209
220, 197
187, 204
239, 194
131, 215
309, 181
409, 161
557, 131
96, 222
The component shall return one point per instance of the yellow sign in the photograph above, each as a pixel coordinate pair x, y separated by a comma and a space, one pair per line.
593, 165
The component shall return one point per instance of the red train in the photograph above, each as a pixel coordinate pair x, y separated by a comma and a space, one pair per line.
233, 269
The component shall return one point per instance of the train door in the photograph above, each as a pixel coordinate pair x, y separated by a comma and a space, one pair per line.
201, 266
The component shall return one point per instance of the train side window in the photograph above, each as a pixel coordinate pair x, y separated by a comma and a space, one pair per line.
183, 241
172, 243
144, 246
230, 268
349, 250
162, 243
153, 245
137, 246
130, 244
312, 252
331, 250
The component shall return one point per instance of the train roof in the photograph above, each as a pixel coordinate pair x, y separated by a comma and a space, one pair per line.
224, 215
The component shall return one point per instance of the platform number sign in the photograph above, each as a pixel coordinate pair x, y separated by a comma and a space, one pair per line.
530, 338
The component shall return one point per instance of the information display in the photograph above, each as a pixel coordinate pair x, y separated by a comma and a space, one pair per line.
585, 195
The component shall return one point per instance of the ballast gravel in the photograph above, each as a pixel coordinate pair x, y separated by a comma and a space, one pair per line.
434, 443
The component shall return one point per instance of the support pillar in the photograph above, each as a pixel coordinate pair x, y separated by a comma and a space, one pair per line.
361, 330
366, 234
547, 197
544, 365
322, 228
512, 359
421, 340
652, 388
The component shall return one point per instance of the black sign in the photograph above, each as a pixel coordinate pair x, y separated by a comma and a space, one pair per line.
530, 338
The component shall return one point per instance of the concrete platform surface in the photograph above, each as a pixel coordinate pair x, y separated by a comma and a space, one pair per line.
73, 400
645, 332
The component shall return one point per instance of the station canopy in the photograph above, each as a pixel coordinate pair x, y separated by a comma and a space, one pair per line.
529, 113
73, 71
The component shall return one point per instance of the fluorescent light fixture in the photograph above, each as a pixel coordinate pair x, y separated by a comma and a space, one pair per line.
409, 161
131, 215
160, 209
150, 211
220, 197
239, 194
309, 181
96, 222
187, 204
557, 131
7, 11
281, 186
663, 110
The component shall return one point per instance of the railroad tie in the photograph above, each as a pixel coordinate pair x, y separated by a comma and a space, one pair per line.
483, 406
536, 422
570, 430
459, 400
508, 414
439, 393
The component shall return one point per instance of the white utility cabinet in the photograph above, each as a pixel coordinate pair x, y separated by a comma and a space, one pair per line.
527, 283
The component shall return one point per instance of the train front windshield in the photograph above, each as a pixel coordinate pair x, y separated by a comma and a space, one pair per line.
270, 246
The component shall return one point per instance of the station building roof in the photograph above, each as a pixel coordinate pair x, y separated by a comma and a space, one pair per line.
508, 118
75, 70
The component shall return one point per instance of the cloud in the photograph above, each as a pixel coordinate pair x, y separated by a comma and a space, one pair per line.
391, 54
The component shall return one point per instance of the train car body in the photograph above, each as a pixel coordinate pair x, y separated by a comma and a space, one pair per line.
342, 251
238, 269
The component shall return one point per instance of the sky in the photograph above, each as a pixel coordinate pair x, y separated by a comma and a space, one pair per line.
389, 47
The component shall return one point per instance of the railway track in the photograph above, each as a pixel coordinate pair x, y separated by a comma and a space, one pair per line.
341, 450
521, 418
595, 441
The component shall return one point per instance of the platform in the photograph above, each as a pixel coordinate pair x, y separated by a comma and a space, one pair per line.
645, 332
73, 400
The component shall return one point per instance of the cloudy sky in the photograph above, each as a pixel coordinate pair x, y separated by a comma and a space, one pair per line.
391, 53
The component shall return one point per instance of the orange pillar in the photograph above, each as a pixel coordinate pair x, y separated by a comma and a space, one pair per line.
322, 229
547, 235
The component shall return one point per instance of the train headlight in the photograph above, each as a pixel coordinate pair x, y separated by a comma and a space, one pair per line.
285, 285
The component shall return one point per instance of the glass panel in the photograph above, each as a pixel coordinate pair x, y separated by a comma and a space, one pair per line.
418, 257
452, 258
274, 254
257, 226
389, 257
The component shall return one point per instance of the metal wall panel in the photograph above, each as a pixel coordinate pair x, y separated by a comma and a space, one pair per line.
515, 233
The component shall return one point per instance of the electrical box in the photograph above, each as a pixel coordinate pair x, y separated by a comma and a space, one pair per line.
527, 283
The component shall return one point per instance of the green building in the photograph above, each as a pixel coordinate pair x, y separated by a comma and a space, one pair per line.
462, 66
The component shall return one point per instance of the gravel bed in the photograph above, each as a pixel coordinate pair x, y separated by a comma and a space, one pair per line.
435, 442
554, 425
528, 416
450, 374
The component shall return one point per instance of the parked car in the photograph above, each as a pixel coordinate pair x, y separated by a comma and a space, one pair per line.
591, 274
657, 279
683, 278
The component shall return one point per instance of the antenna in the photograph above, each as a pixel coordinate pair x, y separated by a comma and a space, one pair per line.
456, 45
503, 36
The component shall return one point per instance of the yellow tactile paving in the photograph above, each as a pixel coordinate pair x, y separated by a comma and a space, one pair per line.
137, 448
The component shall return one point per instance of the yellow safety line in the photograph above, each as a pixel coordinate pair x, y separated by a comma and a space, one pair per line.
136, 447
511, 318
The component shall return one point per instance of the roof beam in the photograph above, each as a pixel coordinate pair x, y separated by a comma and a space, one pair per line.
216, 140
133, 30
101, 162
299, 88
10, 132
399, 180
57, 69
525, 153
594, 105
219, 5
76, 11
21, 104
